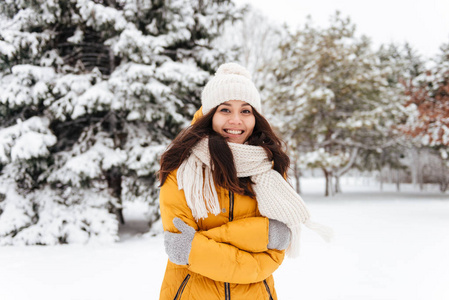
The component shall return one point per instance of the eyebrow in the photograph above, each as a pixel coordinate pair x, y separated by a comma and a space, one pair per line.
227, 104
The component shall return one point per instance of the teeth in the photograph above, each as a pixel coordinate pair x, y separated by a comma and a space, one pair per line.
234, 131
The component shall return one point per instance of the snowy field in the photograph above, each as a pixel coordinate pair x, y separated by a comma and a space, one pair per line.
388, 246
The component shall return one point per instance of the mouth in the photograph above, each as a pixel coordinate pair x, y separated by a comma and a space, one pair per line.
234, 131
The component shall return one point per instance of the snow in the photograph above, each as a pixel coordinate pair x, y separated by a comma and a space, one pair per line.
25, 140
98, 15
91, 163
388, 245
97, 97
17, 88
77, 36
14, 216
32, 144
131, 40
322, 158
6, 49
35, 72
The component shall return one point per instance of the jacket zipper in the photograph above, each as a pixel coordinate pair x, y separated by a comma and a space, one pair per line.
227, 291
231, 206
268, 289
181, 287
231, 217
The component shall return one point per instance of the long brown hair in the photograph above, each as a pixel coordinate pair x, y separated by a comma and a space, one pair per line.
222, 161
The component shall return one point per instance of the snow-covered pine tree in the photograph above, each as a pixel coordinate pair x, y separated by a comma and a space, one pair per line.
329, 94
405, 64
92, 91
428, 99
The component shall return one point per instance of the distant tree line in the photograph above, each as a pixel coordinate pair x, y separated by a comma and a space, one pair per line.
342, 105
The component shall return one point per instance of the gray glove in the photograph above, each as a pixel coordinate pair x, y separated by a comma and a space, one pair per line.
279, 235
178, 245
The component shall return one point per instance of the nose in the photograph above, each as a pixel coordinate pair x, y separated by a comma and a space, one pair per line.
235, 119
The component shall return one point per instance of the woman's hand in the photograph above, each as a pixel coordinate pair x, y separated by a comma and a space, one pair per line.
178, 245
279, 235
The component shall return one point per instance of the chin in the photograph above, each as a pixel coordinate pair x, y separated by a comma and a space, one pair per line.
236, 141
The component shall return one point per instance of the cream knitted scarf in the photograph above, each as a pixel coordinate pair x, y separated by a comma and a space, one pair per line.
276, 199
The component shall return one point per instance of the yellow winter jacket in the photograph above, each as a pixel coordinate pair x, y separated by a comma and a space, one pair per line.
229, 258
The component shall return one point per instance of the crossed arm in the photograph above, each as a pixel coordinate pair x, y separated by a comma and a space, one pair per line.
235, 252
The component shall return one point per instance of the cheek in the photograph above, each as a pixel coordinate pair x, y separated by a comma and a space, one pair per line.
216, 124
250, 125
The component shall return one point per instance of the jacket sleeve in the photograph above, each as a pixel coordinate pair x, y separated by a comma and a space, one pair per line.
224, 262
173, 204
215, 253
249, 234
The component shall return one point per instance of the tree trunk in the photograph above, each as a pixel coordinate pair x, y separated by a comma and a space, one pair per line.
119, 214
331, 187
398, 187
420, 172
443, 186
337, 185
414, 166
346, 168
390, 178
443, 178
328, 176
114, 179
381, 179
111, 60
380, 166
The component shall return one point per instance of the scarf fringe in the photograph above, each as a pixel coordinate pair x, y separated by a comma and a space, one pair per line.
324, 231
199, 188
210, 193
293, 249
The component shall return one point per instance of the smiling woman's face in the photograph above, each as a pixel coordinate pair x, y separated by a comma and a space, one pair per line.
234, 119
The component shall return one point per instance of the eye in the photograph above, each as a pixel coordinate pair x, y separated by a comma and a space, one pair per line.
224, 109
247, 111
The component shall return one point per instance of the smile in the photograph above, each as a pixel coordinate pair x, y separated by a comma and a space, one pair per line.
233, 131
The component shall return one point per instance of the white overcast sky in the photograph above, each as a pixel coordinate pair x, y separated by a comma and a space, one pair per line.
423, 23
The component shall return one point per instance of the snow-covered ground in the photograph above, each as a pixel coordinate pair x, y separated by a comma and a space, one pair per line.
388, 246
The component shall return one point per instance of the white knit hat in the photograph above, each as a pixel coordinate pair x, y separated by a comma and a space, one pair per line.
231, 82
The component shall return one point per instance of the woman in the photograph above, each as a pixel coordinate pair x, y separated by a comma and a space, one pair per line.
227, 212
